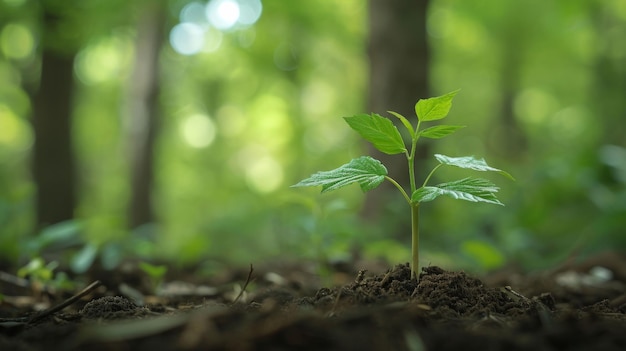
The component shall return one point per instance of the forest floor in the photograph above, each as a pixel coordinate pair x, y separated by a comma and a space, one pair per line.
577, 306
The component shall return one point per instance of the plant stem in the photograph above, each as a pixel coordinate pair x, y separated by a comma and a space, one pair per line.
406, 197
415, 231
411, 159
415, 235
431, 174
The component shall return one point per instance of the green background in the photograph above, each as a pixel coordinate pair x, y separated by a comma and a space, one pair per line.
260, 107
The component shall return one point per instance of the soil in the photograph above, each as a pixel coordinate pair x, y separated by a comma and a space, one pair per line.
577, 306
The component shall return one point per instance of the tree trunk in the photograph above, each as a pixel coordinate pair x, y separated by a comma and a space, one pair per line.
143, 111
399, 62
609, 84
512, 141
53, 159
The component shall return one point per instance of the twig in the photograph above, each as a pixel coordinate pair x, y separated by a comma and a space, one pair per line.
520, 296
9, 278
40, 315
245, 285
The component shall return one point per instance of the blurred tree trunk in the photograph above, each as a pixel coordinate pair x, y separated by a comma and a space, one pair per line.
609, 87
399, 62
53, 159
512, 142
143, 110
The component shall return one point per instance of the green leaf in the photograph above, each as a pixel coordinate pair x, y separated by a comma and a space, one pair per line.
434, 108
404, 121
470, 162
379, 131
154, 271
438, 132
468, 189
365, 170
83, 259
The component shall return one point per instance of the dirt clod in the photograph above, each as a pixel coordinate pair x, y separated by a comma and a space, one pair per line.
112, 307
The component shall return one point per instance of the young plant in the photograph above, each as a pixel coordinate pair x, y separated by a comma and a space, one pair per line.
369, 173
156, 274
43, 278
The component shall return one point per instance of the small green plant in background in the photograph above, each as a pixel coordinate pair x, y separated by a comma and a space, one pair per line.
369, 173
155, 272
42, 276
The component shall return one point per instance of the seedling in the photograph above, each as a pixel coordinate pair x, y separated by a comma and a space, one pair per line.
42, 276
369, 173
155, 272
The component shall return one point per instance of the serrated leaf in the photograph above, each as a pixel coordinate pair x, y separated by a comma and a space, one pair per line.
365, 170
379, 131
440, 131
434, 108
468, 189
470, 162
425, 194
405, 122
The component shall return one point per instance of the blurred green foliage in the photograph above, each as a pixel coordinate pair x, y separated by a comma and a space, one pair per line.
41, 275
260, 106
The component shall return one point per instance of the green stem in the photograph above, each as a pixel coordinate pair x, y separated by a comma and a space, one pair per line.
411, 159
415, 235
406, 197
431, 174
415, 232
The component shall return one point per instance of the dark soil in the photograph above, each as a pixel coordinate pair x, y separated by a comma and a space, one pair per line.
575, 307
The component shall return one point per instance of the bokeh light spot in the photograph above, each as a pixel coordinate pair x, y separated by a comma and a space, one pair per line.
270, 121
250, 11
198, 131
187, 38
193, 12
264, 174
569, 123
102, 61
17, 41
317, 98
15, 135
212, 40
201, 26
223, 14
231, 120
534, 106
